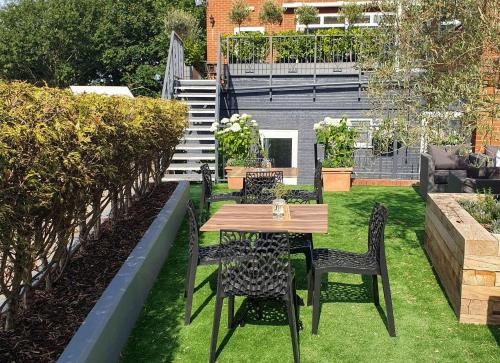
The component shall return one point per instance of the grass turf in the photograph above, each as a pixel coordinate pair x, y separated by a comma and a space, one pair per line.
351, 329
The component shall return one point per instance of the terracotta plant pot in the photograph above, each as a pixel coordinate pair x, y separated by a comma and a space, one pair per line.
233, 182
337, 179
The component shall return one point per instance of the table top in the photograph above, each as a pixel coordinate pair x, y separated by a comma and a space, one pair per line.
241, 172
304, 218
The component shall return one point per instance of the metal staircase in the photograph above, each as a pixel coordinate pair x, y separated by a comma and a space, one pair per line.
198, 144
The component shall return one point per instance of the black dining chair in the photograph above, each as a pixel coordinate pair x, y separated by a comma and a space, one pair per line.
307, 195
198, 255
258, 186
371, 263
301, 243
208, 197
255, 265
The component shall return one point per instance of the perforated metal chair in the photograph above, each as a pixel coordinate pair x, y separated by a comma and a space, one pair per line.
372, 263
255, 265
258, 186
198, 255
306, 195
206, 193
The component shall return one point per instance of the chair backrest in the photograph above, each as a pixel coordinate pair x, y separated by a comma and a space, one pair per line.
206, 180
254, 264
193, 229
376, 230
258, 186
296, 197
318, 182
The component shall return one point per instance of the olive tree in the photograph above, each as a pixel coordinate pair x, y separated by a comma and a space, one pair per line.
239, 13
431, 60
306, 14
271, 13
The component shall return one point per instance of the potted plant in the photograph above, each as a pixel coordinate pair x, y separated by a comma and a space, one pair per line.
237, 137
339, 142
279, 203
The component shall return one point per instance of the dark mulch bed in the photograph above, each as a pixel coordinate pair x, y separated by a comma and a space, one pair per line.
46, 327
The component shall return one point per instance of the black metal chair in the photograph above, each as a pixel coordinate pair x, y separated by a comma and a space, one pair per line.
258, 185
198, 255
372, 263
301, 242
306, 195
255, 265
206, 193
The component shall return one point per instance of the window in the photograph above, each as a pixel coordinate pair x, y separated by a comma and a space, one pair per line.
249, 29
335, 21
282, 146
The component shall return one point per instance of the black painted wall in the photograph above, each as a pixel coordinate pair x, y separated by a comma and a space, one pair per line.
296, 108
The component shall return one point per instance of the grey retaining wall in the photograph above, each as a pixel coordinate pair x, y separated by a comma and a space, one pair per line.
106, 328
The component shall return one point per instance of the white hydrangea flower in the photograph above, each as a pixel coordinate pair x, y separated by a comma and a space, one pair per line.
317, 126
348, 123
235, 127
331, 122
214, 127
234, 117
225, 120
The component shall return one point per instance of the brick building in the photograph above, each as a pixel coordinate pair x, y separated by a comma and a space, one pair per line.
218, 20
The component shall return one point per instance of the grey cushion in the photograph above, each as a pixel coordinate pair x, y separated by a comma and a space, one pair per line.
441, 176
491, 150
447, 158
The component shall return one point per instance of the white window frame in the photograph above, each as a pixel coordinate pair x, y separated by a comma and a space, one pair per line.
283, 134
254, 29
322, 25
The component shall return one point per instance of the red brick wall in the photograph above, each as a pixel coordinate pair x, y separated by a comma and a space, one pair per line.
489, 128
219, 9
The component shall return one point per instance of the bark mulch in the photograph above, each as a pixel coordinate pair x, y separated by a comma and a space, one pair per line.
53, 317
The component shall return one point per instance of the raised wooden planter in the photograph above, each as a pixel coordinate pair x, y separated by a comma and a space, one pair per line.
465, 256
336, 179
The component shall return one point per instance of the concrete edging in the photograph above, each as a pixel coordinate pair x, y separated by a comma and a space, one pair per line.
105, 330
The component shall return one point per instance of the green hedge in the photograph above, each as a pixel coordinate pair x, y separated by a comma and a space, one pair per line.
63, 158
333, 45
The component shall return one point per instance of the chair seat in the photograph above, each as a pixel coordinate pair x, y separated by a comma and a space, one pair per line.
209, 255
336, 260
224, 196
300, 241
300, 196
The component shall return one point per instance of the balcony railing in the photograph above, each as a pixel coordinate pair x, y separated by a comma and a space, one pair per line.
305, 55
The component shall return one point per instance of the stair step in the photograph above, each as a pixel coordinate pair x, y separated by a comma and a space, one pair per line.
186, 167
201, 119
196, 88
201, 110
193, 156
199, 137
179, 177
200, 103
196, 95
196, 82
195, 147
198, 128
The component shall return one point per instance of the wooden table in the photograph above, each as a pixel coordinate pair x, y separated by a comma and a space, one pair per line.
236, 174
304, 218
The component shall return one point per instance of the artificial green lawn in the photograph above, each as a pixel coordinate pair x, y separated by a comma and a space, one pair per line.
351, 329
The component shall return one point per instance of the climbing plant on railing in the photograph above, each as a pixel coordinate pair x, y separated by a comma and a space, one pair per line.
63, 160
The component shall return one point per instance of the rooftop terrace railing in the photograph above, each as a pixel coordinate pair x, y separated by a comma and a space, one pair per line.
306, 55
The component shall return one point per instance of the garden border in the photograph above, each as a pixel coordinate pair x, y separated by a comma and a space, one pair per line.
107, 327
